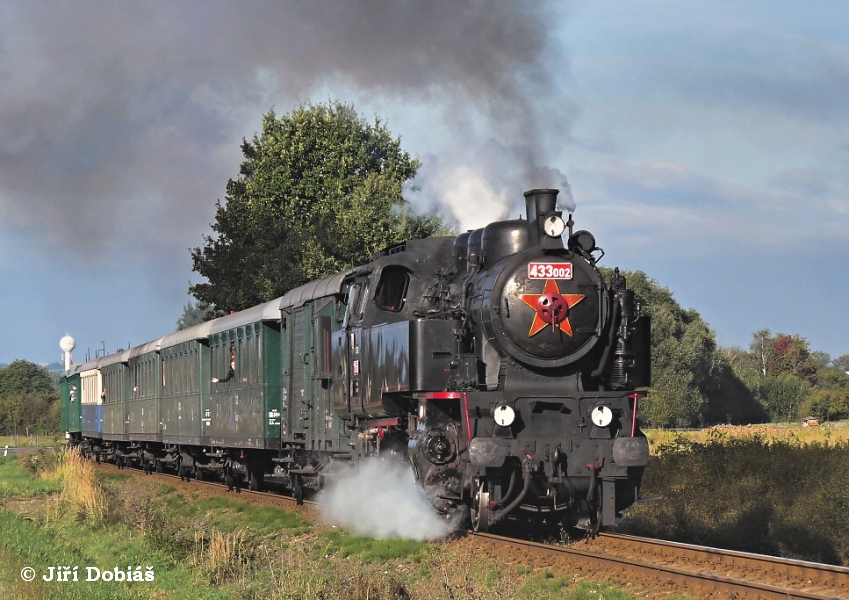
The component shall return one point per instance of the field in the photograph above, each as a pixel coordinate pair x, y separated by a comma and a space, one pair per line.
29, 441
59, 511
768, 489
792, 433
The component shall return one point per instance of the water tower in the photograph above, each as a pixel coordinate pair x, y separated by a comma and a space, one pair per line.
67, 344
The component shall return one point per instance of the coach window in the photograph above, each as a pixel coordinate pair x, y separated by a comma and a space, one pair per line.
251, 357
242, 368
392, 289
193, 369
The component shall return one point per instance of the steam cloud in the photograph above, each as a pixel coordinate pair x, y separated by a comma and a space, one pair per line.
379, 498
120, 122
475, 190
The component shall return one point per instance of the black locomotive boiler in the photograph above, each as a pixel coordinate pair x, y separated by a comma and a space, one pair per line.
499, 363
539, 414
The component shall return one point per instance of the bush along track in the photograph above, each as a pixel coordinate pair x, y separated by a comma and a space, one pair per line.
754, 494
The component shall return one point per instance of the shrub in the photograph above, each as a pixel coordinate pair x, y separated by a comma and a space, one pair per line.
750, 494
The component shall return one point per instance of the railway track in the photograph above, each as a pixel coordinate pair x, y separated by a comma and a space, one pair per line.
697, 570
264, 498
657, 565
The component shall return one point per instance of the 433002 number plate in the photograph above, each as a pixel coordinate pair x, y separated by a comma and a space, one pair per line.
546, 270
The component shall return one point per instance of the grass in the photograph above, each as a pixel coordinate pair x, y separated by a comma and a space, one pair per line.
371, 550
30, 441
18, 483
228, 515
221, 549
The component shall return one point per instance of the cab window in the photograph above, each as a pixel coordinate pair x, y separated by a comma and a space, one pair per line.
391, 290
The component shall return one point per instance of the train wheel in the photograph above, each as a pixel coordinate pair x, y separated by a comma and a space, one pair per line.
480, 507
158, 466
254, 480
594, 510
198, 472
298, 490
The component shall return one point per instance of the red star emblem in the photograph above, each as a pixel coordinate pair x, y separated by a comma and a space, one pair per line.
551, 307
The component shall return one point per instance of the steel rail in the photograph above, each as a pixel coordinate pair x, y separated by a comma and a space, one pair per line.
697, 582
805, 573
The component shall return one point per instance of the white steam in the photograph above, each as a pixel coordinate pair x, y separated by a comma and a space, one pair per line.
471, 189
379, 498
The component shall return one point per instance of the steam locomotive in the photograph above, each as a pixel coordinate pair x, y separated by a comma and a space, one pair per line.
499, 363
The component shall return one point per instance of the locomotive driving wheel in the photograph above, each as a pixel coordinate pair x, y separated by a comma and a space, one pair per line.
480, 506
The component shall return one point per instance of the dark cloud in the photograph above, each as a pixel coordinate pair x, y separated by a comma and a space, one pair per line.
120, 122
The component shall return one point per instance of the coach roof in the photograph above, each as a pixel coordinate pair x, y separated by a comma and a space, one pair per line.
270, 311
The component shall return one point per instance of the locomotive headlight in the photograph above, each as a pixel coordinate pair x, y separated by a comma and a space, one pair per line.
504, 415
601, 416
554, 226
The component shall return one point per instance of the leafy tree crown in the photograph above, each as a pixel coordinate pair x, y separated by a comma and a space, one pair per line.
320, 190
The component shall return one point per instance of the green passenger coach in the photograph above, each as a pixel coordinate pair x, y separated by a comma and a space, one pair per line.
70, 391
240, 395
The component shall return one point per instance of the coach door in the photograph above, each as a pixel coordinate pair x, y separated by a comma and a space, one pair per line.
305, 407
323, 432
353, 331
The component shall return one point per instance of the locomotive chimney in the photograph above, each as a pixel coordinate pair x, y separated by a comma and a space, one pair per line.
539, 203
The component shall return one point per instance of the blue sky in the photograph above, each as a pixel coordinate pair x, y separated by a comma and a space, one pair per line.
705, 143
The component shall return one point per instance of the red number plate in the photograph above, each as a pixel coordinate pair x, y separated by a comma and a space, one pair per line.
540, 270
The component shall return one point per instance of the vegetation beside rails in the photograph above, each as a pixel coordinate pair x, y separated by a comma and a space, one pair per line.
770, 494
792, 433
57, 510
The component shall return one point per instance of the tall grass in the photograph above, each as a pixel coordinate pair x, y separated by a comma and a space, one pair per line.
82, 493
223, 557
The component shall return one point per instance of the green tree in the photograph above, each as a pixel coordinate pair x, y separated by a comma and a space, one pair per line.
761, 347
24, 377
685, 362
32, 413
320, 190
790, 354
195, 314
822, 359
730, 400
781, 395
832, 378
827, 404
27, 399
841, 362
